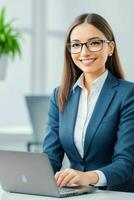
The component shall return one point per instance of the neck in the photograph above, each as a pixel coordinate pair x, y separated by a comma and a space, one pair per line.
89, 78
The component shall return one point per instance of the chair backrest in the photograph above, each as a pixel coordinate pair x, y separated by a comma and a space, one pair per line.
38, 111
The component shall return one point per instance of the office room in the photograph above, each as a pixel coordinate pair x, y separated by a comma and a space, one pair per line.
32, 68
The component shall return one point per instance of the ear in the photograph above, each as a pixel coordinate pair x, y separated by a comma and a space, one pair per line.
111, 48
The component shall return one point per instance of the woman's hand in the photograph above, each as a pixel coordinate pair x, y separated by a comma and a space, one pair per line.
71, 177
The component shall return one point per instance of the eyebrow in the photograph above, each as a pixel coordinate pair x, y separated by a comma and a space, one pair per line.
93, 38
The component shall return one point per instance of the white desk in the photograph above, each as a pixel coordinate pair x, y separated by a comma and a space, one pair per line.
98, 195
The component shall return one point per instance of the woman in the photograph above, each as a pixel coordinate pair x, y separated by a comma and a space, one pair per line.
91, 114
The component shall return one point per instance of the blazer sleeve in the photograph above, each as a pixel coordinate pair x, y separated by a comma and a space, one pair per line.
122, 167
51, 145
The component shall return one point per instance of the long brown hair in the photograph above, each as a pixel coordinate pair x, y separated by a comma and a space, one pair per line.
71, 72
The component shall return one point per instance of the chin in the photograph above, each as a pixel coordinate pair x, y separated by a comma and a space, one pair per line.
88, 70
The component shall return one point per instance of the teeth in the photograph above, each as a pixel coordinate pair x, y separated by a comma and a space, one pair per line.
87, 61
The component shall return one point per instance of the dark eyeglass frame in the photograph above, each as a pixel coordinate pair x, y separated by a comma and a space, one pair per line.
68, 45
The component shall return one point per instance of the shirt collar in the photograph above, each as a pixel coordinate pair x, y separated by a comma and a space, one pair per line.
97, 83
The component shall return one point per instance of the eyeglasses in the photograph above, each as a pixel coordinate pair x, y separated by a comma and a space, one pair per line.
92, 45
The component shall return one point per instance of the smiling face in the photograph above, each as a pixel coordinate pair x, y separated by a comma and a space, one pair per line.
91, 63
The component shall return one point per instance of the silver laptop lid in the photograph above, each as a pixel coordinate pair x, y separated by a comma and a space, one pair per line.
29, 173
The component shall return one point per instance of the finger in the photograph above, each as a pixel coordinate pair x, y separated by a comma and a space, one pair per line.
67, 179
75, 180
57, 175
61, 176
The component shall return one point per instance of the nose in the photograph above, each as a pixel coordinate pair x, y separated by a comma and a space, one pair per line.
84, 50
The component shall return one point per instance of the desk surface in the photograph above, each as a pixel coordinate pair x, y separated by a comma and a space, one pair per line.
98, 195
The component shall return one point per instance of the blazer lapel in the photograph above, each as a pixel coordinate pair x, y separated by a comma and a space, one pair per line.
102, 104
69, 116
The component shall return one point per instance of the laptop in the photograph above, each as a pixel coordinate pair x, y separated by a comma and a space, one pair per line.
31, 173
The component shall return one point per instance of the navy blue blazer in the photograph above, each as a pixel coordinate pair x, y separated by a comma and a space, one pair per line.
109, 140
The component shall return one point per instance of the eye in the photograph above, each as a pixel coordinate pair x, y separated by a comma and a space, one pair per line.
95, 43
75, 45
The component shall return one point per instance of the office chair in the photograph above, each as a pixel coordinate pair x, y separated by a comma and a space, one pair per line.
38, 111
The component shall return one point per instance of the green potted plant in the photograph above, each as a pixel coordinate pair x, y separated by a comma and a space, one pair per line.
9, 42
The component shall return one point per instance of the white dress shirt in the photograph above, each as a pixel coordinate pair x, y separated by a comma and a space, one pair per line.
85, 109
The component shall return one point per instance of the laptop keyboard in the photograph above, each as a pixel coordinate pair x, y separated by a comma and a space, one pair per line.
67, 189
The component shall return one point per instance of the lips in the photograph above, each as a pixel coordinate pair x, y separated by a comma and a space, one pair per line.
87, 61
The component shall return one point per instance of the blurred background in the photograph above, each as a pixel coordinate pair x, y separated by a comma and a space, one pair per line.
44, 24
